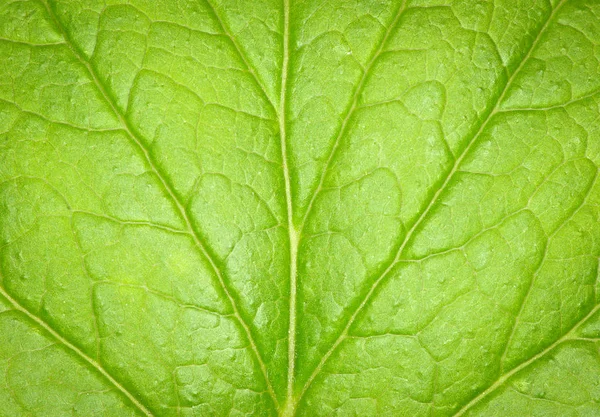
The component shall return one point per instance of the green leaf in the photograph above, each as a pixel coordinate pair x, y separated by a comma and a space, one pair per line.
299, 208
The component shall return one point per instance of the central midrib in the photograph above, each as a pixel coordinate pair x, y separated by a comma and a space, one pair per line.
289, 405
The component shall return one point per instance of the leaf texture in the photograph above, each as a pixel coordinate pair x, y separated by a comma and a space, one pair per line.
299, 208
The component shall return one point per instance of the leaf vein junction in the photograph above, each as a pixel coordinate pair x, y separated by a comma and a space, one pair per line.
492, 110
169, 189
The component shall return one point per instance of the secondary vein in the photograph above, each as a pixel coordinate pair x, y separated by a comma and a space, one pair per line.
169, 189
538, 270
448, 178
506, 376
241, 54
97, 366
353, 107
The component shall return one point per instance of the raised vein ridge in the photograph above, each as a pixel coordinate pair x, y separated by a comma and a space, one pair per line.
492, 110
290, 403
353, 107
241, 54
169, 189
537, 270
504, 377
98, 367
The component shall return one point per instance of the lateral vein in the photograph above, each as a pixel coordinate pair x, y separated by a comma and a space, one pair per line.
241, 54
169, 189
538, 269
448, 178
504, 377
353, 107
17, 306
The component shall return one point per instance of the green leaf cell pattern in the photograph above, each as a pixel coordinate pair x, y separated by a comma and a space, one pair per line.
299, 208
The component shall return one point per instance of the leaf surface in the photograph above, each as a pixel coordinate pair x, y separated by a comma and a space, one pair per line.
299, 208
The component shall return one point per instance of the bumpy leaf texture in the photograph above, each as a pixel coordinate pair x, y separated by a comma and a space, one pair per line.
299, 208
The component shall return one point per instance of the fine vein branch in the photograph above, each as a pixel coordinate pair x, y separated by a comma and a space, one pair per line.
169, 189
